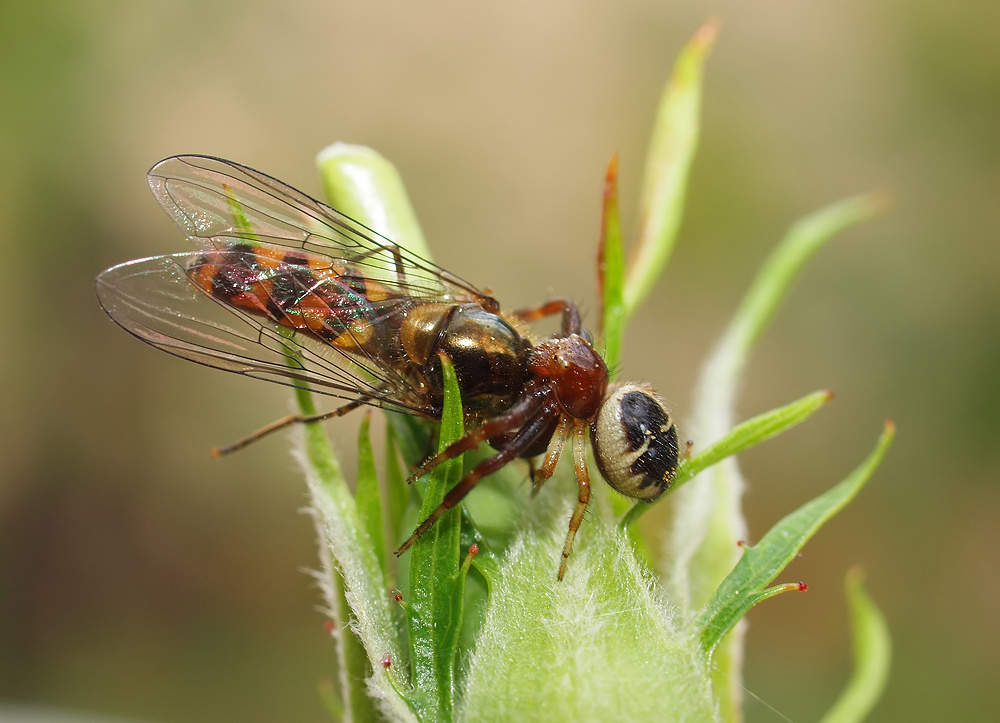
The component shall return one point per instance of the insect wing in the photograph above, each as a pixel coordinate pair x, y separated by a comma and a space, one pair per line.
218, 202
155, 300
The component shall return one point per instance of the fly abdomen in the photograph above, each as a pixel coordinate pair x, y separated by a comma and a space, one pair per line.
295, 290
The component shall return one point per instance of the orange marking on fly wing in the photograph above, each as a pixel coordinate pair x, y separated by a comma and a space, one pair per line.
374, 291
356, 339
329, 304
254, 300
203, 276
326, 271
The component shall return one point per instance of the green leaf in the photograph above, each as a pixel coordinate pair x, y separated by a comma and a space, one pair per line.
668, 164
486, 561
611, 270
602, 645
782, 267
760, 564
351, 578
243, 224
365, 186
398, 493
750, 433
329, 694
366, 493
352, 658
872, 655
434, 611
707, 516
412, 435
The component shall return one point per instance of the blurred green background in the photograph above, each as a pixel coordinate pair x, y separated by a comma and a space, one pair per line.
140, 578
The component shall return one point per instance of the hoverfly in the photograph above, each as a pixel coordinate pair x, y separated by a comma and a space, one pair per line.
286, 289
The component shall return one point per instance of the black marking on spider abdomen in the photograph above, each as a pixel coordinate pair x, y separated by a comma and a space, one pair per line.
645, 421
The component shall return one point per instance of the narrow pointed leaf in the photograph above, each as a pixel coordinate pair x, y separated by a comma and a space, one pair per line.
611, 271
366, 187
751, 433
351, 574
707, 516
872, 656
668, 164
366, 493
397, 491
432, 618
762, 562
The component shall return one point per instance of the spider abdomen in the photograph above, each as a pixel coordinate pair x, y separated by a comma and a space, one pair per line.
635, 442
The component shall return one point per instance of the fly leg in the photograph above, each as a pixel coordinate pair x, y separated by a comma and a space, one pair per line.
583, 480
513, 418
528, 435
286, 422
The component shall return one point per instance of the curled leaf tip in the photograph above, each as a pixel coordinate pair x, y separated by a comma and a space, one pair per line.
889, 428
705, 36
780, 589
855, 576
340, 149
611, 175
828, 395
882, 201
872, 648
467, 563
873, 204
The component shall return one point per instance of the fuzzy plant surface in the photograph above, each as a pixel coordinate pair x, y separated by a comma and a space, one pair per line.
472, 623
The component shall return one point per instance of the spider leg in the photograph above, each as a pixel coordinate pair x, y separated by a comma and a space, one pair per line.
513, 418
571, 315
528, 435
286, 422
583, 480
552, 456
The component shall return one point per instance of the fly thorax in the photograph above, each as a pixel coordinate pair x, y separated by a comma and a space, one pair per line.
489, 355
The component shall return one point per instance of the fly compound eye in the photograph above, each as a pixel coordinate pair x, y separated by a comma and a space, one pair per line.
635, 442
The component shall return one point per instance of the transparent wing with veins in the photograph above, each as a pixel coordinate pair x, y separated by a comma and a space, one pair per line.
219, 204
